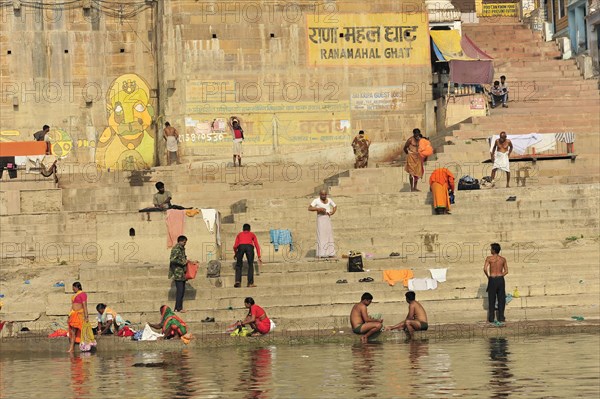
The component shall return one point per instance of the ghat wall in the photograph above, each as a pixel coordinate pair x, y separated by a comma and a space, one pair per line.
300, 75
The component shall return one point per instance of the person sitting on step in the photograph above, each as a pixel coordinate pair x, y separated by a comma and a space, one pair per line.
498, 94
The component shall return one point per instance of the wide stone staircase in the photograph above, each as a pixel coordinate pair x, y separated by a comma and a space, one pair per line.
550, 234
547, 95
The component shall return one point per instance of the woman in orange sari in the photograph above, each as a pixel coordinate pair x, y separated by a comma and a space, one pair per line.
441, 183
78, 315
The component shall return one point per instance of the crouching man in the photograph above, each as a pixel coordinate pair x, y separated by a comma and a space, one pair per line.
360, 320
416, 320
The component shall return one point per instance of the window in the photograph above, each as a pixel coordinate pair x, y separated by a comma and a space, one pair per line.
561, 8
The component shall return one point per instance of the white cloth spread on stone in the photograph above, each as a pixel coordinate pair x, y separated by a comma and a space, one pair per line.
501, 161
172, 144
422, 284
438, 275
547, 143
520, 142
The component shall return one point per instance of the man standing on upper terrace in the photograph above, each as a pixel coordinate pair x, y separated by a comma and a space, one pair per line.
500, 156
171, 136
238, 138
360, 146
414, 161
325, 208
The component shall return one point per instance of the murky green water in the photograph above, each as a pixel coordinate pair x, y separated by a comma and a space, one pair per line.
532, 367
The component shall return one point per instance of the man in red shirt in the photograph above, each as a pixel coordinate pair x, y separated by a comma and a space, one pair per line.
244, 244
238, 138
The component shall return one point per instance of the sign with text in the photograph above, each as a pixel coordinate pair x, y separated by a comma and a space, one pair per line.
388, 39
500, 10
389, 98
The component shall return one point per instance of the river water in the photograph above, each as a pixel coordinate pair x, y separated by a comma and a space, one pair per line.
556, 366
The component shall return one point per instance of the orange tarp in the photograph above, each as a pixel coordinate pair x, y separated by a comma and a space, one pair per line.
23, 148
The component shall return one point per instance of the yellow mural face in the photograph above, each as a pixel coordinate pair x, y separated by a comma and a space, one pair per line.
127, 143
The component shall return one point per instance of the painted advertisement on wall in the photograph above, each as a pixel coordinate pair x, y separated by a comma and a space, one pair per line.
385, 98
127, 143
393, 39
267, 123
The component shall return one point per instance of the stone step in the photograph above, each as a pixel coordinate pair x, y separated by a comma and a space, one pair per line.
435, 308
284, 305
524, 259
310, 282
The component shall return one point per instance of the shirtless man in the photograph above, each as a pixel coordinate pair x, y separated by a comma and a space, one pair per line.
500, 156
360, 320
170, 134
416, 320
495, 268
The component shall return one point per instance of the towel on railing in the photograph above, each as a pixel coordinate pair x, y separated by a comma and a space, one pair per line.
281, 237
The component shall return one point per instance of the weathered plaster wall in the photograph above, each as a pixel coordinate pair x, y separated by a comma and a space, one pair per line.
106, 78
57, 64
251, 59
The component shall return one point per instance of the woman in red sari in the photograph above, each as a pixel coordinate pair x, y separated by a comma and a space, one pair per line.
78, 315
257, 318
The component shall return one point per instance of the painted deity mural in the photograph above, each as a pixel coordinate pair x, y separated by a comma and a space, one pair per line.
127, 143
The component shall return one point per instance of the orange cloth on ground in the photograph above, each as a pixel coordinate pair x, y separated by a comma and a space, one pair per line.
175, 218
393, 276
76, 321
191, 212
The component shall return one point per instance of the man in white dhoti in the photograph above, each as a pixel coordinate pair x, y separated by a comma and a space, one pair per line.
500, 155
325, 208
170, 134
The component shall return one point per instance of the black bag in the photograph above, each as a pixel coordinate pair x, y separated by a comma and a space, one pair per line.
468, 183
355, 264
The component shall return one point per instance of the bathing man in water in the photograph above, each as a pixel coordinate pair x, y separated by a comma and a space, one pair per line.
360, 320
416, 320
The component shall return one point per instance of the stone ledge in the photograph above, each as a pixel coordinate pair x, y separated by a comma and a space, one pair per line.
521, 330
